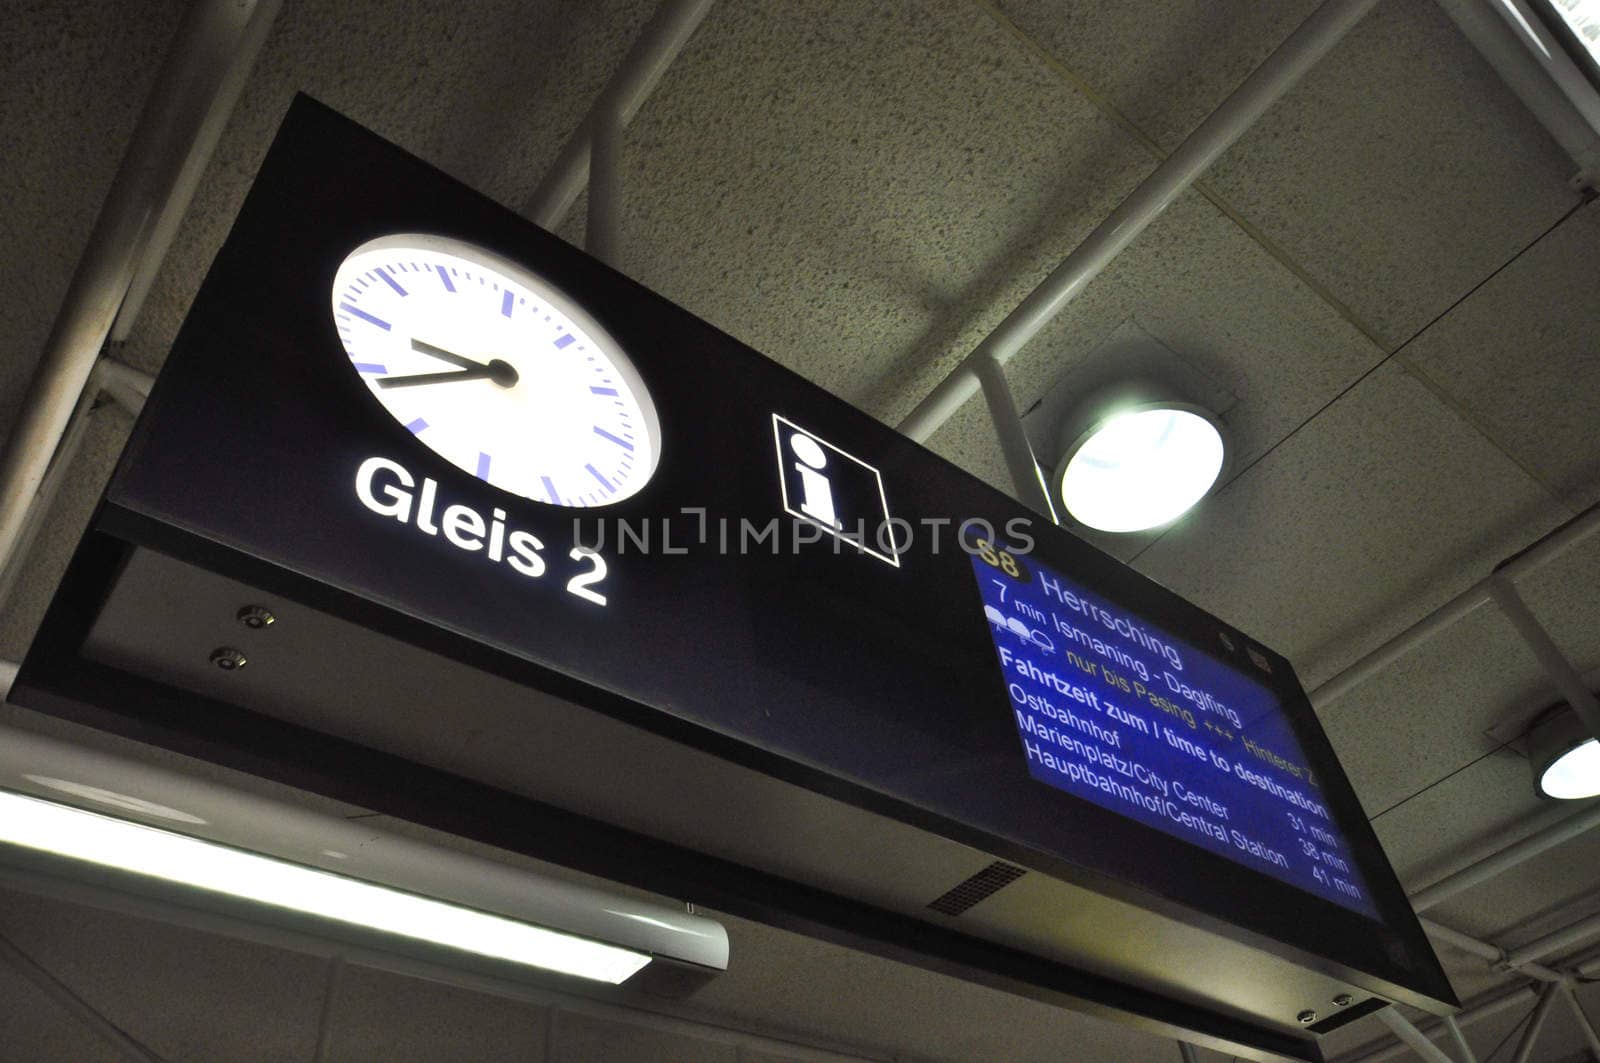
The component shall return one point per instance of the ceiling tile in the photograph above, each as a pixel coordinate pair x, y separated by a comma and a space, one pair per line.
776, 157
1200, 286
386, 1017
581, 1038
1490, 803
1358, 524
1400, 171
35, 1029
1164, 64
168, 986
1428, 714
488, 92
72, 79
1521, 356
1561, 596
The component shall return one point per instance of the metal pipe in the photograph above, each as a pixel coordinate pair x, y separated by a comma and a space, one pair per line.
1463, 1049
209, 44
1566, 937
1551, 659
1541, 1012
165, 227
1527, 78
1492, 954
603, 232
659, 43
1380, 658
1026, 476
1584, 1025
1532, 557
74, 1005
1507, 858
1412, 1037
1482, 1010
1265, 85
61, 463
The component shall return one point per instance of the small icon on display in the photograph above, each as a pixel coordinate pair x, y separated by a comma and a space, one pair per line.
1016, 627
833, 489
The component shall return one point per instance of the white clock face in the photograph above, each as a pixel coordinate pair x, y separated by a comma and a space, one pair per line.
496, 370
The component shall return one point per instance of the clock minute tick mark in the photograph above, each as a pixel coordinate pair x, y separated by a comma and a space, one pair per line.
618, 440
363, 315
383, 275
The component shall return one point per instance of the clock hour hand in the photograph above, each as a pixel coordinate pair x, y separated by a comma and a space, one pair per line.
501, 373
443, 355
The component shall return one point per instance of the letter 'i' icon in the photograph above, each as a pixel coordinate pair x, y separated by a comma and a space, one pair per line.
832, 489
816, 491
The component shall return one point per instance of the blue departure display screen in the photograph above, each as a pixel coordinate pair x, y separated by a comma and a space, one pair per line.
1114, 710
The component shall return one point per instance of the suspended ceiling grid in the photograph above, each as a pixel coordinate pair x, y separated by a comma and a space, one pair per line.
1388, 281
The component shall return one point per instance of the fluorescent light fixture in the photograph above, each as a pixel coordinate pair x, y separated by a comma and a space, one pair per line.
1565, 757
1141, 467
115, 843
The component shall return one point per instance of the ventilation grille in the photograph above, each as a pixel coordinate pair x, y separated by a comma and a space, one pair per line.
985, 883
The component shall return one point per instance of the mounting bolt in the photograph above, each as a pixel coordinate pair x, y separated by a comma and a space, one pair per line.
1342, 1000
256, 617
1307, 1017
228, 659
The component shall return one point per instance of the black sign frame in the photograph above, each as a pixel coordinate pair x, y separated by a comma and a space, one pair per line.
327, 186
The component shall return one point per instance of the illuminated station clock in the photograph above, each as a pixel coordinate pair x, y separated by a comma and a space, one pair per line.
495, 370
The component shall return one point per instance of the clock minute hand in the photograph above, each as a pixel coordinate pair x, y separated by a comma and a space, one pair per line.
500, 372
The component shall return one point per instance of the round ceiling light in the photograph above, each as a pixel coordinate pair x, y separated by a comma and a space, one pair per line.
1141, 467
1565, 757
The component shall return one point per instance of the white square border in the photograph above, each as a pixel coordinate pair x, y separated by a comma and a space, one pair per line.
837, 533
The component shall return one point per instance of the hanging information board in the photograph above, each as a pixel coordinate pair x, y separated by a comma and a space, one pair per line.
543, 542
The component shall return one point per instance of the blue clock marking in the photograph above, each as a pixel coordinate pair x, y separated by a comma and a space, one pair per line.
596, 474
550, 489
505, 304
363, 315
390, 281
370, 367
417, 425
483, 466
602, 391
563, 341
445, 276
618, 440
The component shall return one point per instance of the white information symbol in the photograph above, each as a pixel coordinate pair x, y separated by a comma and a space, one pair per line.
816, 493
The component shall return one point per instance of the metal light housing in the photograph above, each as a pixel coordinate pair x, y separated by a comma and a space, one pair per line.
1138, 456
1565, 757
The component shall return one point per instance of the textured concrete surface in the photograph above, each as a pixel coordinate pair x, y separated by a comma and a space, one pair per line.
1524, 363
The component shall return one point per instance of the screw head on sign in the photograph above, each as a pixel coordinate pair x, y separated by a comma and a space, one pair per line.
1307, 1017
228, 659
1343, 1000
256, 616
